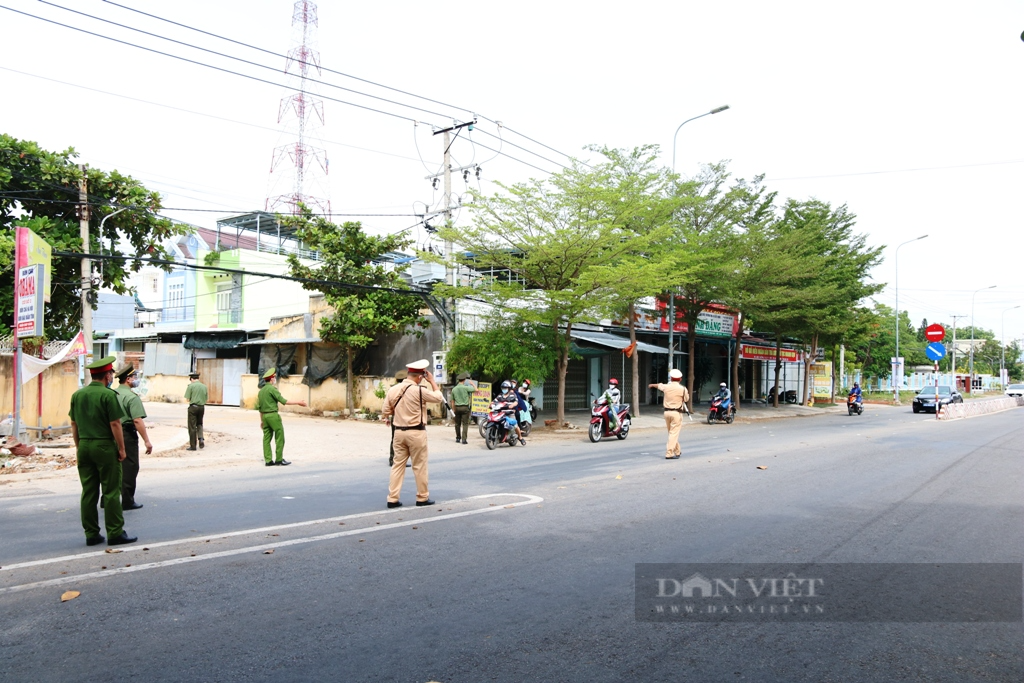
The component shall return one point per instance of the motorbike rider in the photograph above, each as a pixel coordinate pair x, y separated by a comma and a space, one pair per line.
524, 395
725, 395
612, 396
855, 392
508, 401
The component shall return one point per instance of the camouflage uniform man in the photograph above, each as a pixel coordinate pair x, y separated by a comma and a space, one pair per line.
96, 428
132, 426
270, 419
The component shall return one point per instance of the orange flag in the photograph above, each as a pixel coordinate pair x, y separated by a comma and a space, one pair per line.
629, 350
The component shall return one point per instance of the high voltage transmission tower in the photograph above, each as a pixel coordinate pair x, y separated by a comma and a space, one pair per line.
298, 171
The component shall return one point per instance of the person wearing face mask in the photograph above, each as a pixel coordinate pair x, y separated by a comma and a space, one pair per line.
132, 425
99, 443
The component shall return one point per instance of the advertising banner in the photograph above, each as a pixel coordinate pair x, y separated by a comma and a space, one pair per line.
29, 301
821, 378
750, 351
481, 403
33, 250
31, 367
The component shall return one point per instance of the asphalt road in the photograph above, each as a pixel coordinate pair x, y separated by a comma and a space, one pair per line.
533, 581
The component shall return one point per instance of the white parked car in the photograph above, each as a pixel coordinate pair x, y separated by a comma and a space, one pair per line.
1015, 390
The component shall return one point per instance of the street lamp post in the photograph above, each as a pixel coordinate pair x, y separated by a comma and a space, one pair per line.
896, 364
1002, 342
970, 368
671, 296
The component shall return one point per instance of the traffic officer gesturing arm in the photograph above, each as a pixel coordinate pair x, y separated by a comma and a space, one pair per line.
270, 419
674, 404
132, 426
406, 406
96, 428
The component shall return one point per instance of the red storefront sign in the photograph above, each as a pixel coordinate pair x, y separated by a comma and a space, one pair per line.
749, 351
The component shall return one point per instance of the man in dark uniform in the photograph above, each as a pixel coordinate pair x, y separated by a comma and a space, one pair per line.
96, 428
132, 425
196, 395
270, 419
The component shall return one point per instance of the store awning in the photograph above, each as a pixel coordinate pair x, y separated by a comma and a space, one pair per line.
615, 342
265, 342
214, 340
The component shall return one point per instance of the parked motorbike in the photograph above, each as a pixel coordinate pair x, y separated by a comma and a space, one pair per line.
496, 430
721, 411
853, 406
786, 397
600, 424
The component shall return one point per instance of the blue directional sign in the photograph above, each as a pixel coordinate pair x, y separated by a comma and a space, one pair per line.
935, 351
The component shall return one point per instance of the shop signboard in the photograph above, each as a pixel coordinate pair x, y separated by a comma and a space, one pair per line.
754, 352
481, 402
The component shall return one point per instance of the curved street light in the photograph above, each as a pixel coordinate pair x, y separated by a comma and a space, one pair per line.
970, 368
671, 296
895, 375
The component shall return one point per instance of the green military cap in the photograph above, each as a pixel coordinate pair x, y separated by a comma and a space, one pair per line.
125, 372
401, 374
269, 373
193, 375
102, 365
463, 375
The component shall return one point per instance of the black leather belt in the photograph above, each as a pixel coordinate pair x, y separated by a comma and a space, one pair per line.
405, 429
129, 427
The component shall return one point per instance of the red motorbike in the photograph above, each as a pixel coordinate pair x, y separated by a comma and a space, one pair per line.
497, 431
721, 411
600, 424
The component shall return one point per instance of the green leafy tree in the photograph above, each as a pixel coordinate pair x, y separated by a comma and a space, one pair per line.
39, 190
643, 194
507, 348
369, 305
547, 241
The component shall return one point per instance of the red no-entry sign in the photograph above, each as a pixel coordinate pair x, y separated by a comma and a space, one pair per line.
935, 332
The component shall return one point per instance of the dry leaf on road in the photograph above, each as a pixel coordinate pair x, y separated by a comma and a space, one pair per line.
268, 552
762, 467
114, 550
69, 595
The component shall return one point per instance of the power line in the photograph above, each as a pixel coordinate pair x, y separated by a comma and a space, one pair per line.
277, 54
203, 64
237, 59
195, 266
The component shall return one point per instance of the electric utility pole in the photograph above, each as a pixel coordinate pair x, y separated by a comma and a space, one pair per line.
83, 224
447, 210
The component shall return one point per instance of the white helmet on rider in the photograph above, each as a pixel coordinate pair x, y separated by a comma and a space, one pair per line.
506, 385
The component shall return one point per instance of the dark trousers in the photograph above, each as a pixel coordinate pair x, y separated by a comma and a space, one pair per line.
195, 424
130, 464
462, 416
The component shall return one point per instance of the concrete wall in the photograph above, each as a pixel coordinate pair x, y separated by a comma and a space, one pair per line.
326, 398
59, 382
163, 388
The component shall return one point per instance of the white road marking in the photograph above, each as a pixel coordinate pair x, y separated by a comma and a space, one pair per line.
229, 534
530, 499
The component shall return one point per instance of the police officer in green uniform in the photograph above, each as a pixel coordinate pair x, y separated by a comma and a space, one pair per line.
270, 419
96, 428
197, 395
132, 425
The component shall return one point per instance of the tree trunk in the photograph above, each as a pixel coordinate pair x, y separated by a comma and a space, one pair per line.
778, 369
691, 348
736, 362
635, 360
835, 353
350, 399
808, 362
563, 369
